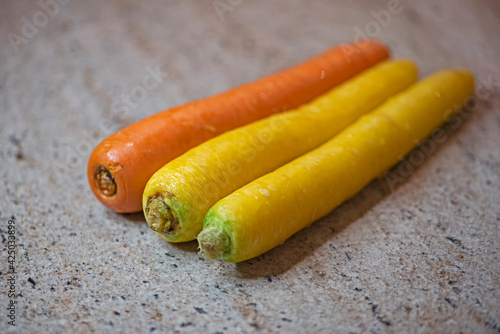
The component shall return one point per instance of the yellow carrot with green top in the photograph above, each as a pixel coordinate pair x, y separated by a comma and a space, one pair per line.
267, 211
178, 196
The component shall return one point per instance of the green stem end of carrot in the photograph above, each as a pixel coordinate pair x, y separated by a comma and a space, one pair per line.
159, 216
105, 182
214, 243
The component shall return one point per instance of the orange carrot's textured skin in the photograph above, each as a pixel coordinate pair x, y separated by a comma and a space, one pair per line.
133, 154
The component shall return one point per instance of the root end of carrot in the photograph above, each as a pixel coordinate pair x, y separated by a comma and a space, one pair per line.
159, 216
214, 243
105, 182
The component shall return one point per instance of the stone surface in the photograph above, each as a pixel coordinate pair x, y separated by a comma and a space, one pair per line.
415, 251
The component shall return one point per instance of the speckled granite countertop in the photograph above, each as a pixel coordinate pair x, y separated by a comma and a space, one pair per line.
416, 251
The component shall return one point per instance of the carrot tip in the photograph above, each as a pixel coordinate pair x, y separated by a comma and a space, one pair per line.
105, 182
214, 243
159, 216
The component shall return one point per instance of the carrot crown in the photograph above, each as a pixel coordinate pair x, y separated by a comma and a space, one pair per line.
214, 243
160, 217
105, 182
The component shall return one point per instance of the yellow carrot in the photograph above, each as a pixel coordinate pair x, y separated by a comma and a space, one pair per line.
265, 212
179, 195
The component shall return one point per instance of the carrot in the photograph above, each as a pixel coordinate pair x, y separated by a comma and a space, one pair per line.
179, 195
120, 166
267, 211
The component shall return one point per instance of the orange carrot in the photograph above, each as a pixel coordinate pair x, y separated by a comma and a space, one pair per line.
121, 165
